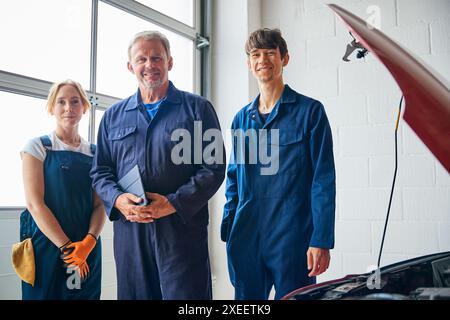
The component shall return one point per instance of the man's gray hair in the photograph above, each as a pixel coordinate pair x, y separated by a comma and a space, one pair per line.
150, 35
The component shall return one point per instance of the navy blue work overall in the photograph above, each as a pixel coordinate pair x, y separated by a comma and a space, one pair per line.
270, 220
68, 194
168, 258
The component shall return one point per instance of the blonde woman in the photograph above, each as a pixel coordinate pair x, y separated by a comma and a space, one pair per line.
64, 217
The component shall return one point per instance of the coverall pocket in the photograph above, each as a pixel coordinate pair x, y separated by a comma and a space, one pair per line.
123, 142
25, 225
291, 151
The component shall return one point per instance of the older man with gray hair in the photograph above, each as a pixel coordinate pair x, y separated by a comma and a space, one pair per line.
160, 249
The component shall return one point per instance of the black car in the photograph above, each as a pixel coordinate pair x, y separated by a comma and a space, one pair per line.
422, 278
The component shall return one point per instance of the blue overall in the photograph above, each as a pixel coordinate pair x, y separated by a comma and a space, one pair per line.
168, 258
68, 195
270, 220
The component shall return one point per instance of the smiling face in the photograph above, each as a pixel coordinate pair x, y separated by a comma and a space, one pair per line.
149, 63
68, 107
267, 64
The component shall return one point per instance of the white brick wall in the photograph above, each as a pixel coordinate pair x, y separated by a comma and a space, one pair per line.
440, 36
444, 236
354, 172
346, 109
360, 231
406, 237
426, 204
415, 38
361, 99
382, 108
354, 263
368, 204
232, 88
442, 176
416, 12
412, 145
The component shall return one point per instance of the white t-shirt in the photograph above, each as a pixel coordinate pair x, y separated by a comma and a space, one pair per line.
36, 148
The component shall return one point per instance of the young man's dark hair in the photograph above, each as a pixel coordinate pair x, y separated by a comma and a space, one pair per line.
266, 39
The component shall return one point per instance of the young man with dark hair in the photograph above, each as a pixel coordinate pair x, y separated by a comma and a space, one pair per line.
279, 226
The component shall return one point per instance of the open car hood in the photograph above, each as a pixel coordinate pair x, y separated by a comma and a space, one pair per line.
426, 94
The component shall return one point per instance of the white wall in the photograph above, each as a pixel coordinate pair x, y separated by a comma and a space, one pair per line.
232, 88
9, 233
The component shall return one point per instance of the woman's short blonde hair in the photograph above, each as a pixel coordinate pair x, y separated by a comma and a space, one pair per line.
53, 92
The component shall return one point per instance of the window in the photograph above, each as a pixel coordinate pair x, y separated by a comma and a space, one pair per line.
22, 118
46, 39
98, 117
87, 41
182, 10
113, 78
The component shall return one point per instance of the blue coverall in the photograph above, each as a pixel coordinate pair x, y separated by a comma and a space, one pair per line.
68, 194
168, 258
269, 221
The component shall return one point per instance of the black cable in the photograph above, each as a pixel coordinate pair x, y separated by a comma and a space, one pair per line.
393, 183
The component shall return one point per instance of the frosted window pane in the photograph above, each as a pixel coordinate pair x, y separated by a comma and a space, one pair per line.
115, 30
98, 118
22, 118
46, 39
182, 10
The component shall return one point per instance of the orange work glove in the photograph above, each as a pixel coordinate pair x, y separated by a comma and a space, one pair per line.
76, 253
83, 270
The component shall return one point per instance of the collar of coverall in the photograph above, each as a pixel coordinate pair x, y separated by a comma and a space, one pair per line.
288, 96
173, 96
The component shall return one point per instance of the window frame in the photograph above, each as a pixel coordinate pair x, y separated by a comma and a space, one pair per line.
199, 34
